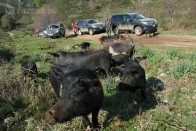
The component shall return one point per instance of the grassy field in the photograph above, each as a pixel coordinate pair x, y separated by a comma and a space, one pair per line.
170, 89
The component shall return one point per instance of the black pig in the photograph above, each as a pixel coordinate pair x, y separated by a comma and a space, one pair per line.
56, 74
29, 69
120, 48
82, 94
82, 46
120, 59
133, 78
99, 59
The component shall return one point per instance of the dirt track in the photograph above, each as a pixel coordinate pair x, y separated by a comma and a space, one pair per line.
162, 40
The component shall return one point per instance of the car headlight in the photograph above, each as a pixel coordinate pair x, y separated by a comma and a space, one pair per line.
145, 23
93, 26
56, 31
45, 32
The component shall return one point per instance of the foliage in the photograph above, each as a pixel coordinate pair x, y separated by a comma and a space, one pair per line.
39, 3
172, 53
110, 84
6, 22
156, 59
182, 68
26, 20
46, 15
168, 109
147, 53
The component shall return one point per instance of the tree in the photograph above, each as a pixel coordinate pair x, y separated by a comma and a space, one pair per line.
45, 15
171, 8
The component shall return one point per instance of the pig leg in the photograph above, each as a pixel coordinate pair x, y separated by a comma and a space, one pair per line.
143, 93
95, 118
86, 122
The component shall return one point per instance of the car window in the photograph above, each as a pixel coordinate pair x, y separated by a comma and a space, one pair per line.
120, 18
115, 19
81, 23
127, 18
92, 21
138, 16
54, 26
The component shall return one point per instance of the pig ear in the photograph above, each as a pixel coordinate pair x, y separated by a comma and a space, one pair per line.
53, 54
88, 83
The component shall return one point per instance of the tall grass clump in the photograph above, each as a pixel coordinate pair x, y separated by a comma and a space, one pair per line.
173, 53
156, 60
110, 85
182, 68
147, 53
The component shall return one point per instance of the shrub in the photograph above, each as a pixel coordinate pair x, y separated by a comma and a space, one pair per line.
26, 19
6, 22
6, 54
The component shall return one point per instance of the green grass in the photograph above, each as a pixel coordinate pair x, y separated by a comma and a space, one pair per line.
171, 102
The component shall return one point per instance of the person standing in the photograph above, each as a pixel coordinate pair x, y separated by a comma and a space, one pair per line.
74, 27
108, 26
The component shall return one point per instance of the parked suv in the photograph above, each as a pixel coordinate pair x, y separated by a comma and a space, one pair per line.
55, 30
90, 26
133, 22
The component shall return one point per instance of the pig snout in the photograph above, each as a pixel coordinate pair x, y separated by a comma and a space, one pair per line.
50, 116
122, 87
56, 113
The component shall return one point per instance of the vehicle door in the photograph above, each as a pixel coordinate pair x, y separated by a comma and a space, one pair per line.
84, 26
122, 22
132, 21
128, 21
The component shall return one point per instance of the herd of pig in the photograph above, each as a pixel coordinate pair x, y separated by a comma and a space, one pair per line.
82, 92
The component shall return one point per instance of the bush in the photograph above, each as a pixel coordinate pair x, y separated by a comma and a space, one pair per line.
25, 20
6, 22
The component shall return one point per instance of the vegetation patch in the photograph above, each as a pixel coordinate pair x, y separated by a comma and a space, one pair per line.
170, 89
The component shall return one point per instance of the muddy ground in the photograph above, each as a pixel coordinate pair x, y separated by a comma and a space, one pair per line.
162, 40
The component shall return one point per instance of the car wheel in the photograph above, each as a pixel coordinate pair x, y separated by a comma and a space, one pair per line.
79, 32
115, 30
138, 30
91, 32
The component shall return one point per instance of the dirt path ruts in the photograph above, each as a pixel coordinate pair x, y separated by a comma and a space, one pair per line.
162, 40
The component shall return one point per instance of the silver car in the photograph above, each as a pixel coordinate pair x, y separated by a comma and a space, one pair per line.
55, 30
90, 26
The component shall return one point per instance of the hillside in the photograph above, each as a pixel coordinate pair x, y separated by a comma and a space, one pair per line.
171, 14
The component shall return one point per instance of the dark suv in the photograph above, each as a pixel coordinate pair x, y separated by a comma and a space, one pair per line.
90, 26
133, 22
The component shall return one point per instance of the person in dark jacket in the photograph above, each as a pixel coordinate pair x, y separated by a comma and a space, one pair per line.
107, 25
